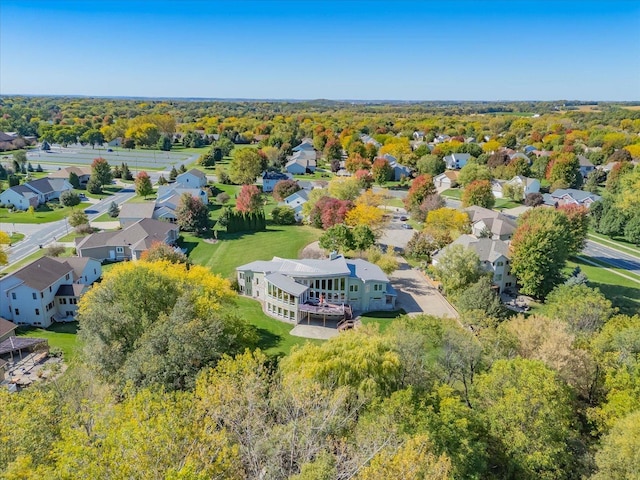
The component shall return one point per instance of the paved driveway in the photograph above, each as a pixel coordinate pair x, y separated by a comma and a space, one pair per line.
416, 295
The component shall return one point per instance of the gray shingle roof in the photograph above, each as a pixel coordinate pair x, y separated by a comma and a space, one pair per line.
286, 284
143, 232
43, 272
488, 249
6, 327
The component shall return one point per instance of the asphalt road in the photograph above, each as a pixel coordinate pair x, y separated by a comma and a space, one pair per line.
613, 257
47, 233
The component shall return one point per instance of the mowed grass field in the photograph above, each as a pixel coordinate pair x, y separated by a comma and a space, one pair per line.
59, 335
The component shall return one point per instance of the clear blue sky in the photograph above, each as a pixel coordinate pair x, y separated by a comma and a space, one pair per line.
405, 50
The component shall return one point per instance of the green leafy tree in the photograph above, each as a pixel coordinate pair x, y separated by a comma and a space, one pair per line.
172, 322
472, 172
101, 172
363, 237
245, 166
618, 454
113, 211
77, 218
457, 268
193, 215
381, 171
585, 309
632, 229
74, 180
283, 215
478, 193
126, 172
144, 188
94, 186
431, 164
337, 238
481, 299
93, 137
69, 198
162, 180
513, 397
540, 246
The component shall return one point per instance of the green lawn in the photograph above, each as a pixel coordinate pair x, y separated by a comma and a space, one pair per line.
60, 335
237, 249
43, 214
106, 191
105, 217
274, 334
452, 193
16, 237
622, 292
502, 203
382, 319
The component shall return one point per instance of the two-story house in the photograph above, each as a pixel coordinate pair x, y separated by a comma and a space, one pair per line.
292, 290
47, 290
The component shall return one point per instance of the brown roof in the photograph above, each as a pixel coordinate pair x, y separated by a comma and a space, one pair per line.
64, 172
145, 229
43, 272
6, 327
77, 263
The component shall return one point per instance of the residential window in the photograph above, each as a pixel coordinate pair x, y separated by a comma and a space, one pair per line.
66, 277
353, 288
119, 249
13, 295
498, 277
37, 311
41, 295
508, 284
34, 295
94, 272
499, 264
17, 311
50, 288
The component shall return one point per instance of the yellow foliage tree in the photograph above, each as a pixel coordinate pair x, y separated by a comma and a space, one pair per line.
491, 146
634, 150
368, 215
344, 188
396, 146
371, 198
445, 224
4, 240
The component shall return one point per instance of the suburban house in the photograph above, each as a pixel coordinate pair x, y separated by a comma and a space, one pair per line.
301, 162
116, 142
456, 161
47, 290
296, 201
20, 196
83, 173
521, 155
44, 190
295, 290
269, 180
441, 138
399, 170
494, 257
448, 179
528, 184
570, 196
497, 187
306, 144
586, 167
128, 243
166, 191
368, 140
7, 329
192, 179
489, 223
131, 213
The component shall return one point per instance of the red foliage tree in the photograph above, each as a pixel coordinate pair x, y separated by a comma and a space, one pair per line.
329, 211
357, 162
421, 187
578, 217
364, 177
284, 188
249, 199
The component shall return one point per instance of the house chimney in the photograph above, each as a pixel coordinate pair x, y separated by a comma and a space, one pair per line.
333, 255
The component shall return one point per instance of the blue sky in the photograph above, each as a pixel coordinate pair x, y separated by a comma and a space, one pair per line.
404, 50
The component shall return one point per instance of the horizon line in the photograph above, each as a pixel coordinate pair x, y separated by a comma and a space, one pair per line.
344, 100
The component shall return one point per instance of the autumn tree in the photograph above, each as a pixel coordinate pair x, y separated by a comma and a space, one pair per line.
367, 215
344, 188
329, 211
618, 453
478, 193
431, 164
445, 224
159, 323
578, 217
250, 199
144, 188
540, 246
193, 215
284, 188
283, 215
564, 169
381, 171
100, 173
421, 187
472, 172
356, 162
4, 240
246, 166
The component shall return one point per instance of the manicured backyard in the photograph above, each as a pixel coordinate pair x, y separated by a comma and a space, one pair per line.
59, 335
43, 214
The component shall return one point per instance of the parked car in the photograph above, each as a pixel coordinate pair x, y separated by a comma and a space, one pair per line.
406, 226
403, 219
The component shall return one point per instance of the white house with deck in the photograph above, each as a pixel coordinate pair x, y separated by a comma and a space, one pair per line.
297, 290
